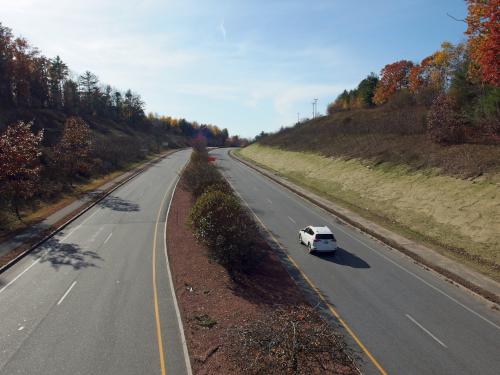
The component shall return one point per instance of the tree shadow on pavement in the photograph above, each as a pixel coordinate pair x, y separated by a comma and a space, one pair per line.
268, 283
59, 254
118, 204
343, 258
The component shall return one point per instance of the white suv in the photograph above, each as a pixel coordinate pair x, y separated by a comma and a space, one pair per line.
318, 239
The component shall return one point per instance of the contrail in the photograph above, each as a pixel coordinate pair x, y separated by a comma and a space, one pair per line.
222, 29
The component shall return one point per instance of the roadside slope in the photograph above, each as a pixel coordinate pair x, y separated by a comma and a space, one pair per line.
460, 218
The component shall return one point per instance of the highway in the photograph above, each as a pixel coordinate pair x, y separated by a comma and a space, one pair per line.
409, 320
96, 298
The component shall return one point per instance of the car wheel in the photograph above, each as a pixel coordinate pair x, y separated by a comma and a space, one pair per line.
309, 247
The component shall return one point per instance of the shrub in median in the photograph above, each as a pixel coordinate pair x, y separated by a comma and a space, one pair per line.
198, 176
217, 218
213, 214
219, 221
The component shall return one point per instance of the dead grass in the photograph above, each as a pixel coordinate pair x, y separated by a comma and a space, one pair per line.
383, 135
461, 217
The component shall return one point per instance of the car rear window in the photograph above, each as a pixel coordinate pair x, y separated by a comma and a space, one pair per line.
325, 237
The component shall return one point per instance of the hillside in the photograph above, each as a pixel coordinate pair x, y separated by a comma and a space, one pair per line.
385, 135
380, 163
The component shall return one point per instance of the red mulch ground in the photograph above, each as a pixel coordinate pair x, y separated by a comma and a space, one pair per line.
204, 288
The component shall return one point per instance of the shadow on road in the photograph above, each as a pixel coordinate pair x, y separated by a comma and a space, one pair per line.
63, 254
344, 258
118, 204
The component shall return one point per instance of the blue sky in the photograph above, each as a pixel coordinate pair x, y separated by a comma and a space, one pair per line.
244, 65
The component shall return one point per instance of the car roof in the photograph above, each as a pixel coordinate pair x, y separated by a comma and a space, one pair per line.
321, 230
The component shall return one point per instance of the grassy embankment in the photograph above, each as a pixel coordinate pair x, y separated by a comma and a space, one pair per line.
457, 216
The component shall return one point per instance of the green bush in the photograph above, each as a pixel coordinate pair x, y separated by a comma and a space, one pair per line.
221, 186
217, 218
487, 111
213, 214
199, 156
237, 249
199, 176
219, 221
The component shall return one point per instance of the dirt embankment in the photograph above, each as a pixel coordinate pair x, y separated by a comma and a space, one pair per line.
212, 304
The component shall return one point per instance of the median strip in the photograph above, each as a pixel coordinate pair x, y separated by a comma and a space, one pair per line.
231, 310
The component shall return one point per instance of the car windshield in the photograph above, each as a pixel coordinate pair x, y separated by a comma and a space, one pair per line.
325, 237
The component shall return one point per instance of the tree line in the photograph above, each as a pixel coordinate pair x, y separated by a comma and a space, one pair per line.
459, 83
29, 80
58, 128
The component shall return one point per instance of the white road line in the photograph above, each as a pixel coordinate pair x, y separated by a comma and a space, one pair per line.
107, 238
94, 236
18, 276
78, 226
70, 233
422, 280
67, 292
426, 331
172, 289
293, 221
270, 201
310, 209
38, 260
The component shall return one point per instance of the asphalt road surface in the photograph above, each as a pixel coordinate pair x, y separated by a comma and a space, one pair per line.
411, 320
85, 302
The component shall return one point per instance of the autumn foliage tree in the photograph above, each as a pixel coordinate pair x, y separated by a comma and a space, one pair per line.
393, 77
483, 29
19, 165
73, 150
445, 123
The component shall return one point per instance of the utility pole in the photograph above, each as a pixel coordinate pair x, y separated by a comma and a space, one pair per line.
298, 117
315, 107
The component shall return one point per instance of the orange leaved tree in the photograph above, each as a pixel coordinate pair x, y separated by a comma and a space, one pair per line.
483, 28
393, 77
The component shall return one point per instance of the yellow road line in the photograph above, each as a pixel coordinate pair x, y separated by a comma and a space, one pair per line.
315, 288
155, 291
